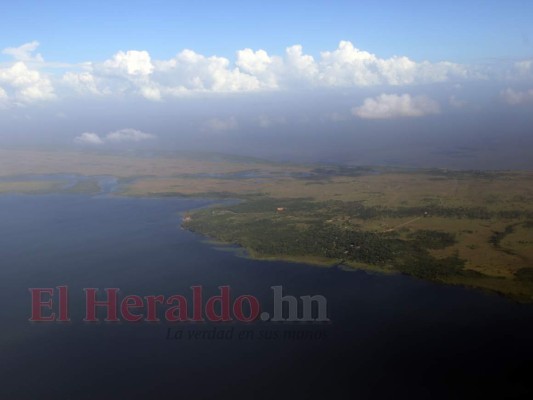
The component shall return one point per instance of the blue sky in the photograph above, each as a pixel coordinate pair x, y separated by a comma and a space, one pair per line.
225, 73
459, 31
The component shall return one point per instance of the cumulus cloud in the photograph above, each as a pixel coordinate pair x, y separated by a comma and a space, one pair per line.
25, 84
128, 135
122, 135
134, 72
130, 71
133, 62
394, 106
83, 82
88, 138
190, 71
299, 65
21, 83
514, 97
24, 52
253, 62
261, 66
349, 66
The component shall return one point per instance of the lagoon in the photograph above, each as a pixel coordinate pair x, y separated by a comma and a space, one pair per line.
389, 335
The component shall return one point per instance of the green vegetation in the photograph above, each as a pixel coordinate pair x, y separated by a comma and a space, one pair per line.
339, 231
432, 239
497, 237
307, 228
427, 267
460, 227
525, 274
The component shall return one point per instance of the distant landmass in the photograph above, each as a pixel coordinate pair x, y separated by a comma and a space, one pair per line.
466, 227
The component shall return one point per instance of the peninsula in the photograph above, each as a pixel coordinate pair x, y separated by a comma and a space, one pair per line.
472, 228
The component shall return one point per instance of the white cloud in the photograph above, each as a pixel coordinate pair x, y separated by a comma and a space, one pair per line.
253, 62
129, 71
345, 66
24, 52
128, 135
120, 136
259, 65
299, 64
393, 106
514, 97
88, 138
135, 73
190, 71
150, 92
23, 84
83, 82
132, 62
349, 66
26, 85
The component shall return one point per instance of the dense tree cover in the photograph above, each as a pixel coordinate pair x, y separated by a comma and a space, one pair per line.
274, 237
428, 267
525, 274
356, 209
497, 237
432, 239
303, 229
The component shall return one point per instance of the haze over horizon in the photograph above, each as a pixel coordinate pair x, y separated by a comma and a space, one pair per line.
411, 84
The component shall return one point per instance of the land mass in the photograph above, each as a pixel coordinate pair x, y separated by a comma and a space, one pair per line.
472, 228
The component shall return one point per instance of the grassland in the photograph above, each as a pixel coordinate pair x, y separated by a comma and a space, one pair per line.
29, 187
471, 228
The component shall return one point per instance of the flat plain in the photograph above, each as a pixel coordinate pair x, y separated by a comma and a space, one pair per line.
467, 227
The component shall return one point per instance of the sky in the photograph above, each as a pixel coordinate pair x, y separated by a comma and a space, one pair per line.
245, 76
458, 31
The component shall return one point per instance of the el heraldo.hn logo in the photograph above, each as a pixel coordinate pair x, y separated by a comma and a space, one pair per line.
53, 305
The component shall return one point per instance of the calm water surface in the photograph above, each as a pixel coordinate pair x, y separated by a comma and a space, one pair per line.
390, 336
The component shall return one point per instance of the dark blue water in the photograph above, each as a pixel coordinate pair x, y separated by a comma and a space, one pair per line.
390, 336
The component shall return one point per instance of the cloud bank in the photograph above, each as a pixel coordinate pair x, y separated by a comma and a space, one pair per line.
134, 73
347, 66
